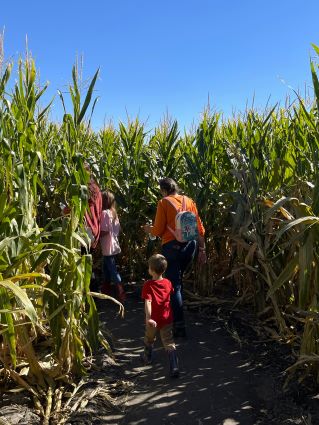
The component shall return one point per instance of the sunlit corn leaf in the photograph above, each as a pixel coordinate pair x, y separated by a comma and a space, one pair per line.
21, 297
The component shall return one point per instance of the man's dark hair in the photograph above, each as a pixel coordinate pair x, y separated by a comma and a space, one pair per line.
157, 263
169, 185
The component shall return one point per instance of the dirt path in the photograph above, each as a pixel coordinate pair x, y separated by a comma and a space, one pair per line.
222, 382
219, 384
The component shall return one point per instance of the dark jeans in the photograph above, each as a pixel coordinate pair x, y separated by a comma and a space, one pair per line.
178, 256
110, 272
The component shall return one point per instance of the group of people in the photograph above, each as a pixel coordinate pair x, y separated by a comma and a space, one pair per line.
102, 227
181, 231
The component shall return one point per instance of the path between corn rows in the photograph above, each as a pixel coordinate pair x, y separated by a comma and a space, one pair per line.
219, 384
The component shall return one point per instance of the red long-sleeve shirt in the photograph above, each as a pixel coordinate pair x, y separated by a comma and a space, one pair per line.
93, 215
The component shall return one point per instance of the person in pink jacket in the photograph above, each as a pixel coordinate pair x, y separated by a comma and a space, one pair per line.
110, 229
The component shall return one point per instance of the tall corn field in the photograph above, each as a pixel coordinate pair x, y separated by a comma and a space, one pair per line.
256, 183
44, 280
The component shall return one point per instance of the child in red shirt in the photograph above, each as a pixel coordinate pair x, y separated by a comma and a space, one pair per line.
158, 312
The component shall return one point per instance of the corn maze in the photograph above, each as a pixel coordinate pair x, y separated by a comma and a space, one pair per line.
254, 177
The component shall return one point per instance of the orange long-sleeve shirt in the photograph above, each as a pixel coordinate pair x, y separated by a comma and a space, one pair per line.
165, 216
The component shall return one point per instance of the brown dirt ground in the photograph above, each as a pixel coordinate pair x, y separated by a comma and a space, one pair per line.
228, 376
224, 379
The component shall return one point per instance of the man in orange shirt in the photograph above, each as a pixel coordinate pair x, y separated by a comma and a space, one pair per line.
178, 254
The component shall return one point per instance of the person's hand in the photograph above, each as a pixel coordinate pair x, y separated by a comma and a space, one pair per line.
147, 228
66, 210
152, 323
202, 258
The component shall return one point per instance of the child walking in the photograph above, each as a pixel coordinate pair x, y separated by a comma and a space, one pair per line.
158, 313
110, 228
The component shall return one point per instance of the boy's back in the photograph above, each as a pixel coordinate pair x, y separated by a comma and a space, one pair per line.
159, 293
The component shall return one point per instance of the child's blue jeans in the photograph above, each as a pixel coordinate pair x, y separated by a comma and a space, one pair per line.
110, 272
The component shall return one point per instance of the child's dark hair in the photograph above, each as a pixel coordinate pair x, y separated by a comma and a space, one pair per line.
169, 185
157, 263
108, 202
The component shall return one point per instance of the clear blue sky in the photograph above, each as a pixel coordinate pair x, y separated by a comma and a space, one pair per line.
168, 55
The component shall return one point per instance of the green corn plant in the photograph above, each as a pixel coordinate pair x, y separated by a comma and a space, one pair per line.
299, 277
166, 147
132, 183
254, 178
44, 279
106, 156
82, 323
205, 179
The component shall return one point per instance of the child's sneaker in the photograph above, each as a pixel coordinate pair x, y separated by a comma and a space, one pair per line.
106, 288
120, 292
179, 332
147, 355
173, 364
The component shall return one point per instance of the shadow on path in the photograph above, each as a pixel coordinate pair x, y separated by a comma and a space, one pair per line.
217, 384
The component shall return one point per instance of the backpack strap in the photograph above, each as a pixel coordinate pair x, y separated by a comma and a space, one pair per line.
171, 202
184, 203
177, 211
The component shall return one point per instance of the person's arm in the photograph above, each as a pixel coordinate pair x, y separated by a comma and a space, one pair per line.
93, 213
160, 222
148, 313
201, 243
202, 258
105, 223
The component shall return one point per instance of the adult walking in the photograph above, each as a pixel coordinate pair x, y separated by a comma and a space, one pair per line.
92, 216
94, 211
178, 253
92, 219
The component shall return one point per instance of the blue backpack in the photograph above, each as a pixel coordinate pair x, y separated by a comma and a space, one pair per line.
186, 228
